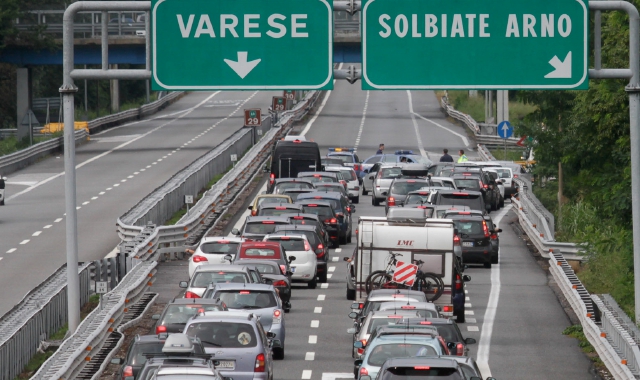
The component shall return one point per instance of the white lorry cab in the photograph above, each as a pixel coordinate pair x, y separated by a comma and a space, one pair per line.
384, 240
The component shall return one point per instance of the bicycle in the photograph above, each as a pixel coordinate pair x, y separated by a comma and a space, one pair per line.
429, 283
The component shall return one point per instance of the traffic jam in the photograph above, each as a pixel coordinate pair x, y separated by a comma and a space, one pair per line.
405, 281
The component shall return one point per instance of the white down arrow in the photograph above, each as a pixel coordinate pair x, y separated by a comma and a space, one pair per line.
562, 68
241, 66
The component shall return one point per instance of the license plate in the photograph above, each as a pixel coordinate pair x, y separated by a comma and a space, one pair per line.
293, 269
467, 244
226, 364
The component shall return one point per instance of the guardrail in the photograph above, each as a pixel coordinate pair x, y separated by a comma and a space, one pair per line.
145, 245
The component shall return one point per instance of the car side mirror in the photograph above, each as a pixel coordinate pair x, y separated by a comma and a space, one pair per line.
466, 278
250, 208
346, 259
183, 284
289, 273
117, 361
292, 258
384, 193
235, 231
353, 315
451, 345
228, 257
358, 344
357, 363
357, 305
351, 330
155, 317
470, 341
271, 335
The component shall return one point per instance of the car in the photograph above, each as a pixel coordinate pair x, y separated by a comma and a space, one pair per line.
317, 243
431, 368
399, 189
239, 342
417, 197
446, 182
379, 179
396, 329
331, 186
353, 182
212, 250
393, 346
316, 177
325, 212
379, 296
326, 161
273, 275
266, 198
499, 183
495, 239
349, 158
458, 198
257, 227
289, 157
263, 301
448, 330
266, 250
468, 366
179, 310
373, 320
304, 265
341, 207
475, 237
478, 180
507, 177
277, 209
141, 348
441, 210
305, 219
207, 274
294, 193
411, 158
441, 169
282, 184
424, 309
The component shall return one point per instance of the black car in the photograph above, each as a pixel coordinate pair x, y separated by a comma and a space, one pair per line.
495, 239
282, 184
306, 219
475, 238
479, 180
320, 248
325, 212
272, 273
295, 193
447, 329
277, 209
177, 312
341, 207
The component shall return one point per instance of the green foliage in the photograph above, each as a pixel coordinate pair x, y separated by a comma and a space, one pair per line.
577, 332
474, 106
512, 155
11, 144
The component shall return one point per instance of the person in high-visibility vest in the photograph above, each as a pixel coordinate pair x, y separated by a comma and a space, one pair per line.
462, 158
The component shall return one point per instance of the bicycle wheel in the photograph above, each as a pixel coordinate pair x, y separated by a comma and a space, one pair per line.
377, 280
432, 286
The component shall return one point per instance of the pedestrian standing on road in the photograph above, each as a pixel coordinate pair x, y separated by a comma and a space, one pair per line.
462, 158
380, 149
446, 157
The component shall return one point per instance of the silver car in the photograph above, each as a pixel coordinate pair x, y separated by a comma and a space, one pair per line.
263, 301
425, 309
208, 274
238, 341
375, 319
380, 178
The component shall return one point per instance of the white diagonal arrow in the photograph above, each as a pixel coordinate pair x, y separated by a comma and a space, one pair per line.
242, 67
562, 68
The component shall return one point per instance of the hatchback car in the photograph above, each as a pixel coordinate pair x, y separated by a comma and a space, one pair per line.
348, 158
278, 209
459, 198
316, 177
325, 212
317, 244
265, 250
424, 309
306, 219
263, 301
353, 182
268, 198
294, 193
303, 262
178, 311
207, 274
341, 207
372, 321
379, 179
399, 189
257, 227
282, 184
239, 342
479, 181
475, 238
495, 239
448, 330
469, 367
213, 250
273, 274
431, 368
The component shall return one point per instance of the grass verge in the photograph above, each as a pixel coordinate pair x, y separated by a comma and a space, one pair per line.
12, 144
474, 106
576, 331
512, 155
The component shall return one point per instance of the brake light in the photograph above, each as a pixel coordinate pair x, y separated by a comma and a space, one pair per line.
411, 181
348, 209
363, 371
280, 283
259, 363
447, 309
484, 186
395, 316
391, 201
485, 229
191, 295
268, 222
515, 176
423, 193
456, 240
494, 236
283, 268
460, 349
277, 316
361, 350
460, 194
458, 282
128, 371
379, 174
464, 213
199, 259
422, 367
357, 167
408, 307
159, 330
272, 179
317, 175
425, 323
312, 205
254, 212
307, 247
285, 238
245, 292
333, 221
281, 208
298, 218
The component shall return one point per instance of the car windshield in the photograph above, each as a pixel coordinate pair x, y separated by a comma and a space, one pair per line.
467, 183
419, 160
220, 247
504, 173
203, 279
425, 373
380, 353
281, 187
290, 244
345, 158
377, 322
259, 228
389, 173
247, 299
403, 188
469, 227
260, 252
180, 314
276, 211
139, 350
224, 334
416, 199
324, 212
263, 200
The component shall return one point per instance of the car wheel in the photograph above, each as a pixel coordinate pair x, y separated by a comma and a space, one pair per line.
335, 244
487, 265
364, 191
278, 353
2, 202
322, 277
356, 200
313, 283
351, 294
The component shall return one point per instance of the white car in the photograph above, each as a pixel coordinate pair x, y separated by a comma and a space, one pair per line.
305, 264
212, 250
353, 185
2, 190
499, 183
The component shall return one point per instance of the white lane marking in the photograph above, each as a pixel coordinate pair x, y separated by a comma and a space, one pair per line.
164, 156
78, 207
37, 233
473, 328
466, 292
324, 102
313, 339
329, 275
109, 188
94, 198
467, 305
321, 297
124, 180
338, 250
183, 114
12, 250
470, 320
309, 356
130, 176
316, 310
489, 316
1, 258
148, 166
136, 173
468, 312
57, 220
332, 269
48, 226
85, 203
466, 299
364, 117
463, 137
335, 259
159, 159
415, 126
315, 323
24, 242
334, 376
116, 184
306, 374
324, 286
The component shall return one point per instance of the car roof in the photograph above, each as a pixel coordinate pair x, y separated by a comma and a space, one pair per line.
281, 180
255, 219
410, 180
399, 330
386, 313
194, 301
270, 196
452, 208
203, 370
400, 338
323, 194
214, 316
400, 293
296, 227
417, 305
220, 267
279, 204
431, 361
241, 286
460, 359
284, 234
153, 338
319, 202
310, 174
305, 215
254, 262
458, 191
259, 244
465, 217
209, 239
430, 321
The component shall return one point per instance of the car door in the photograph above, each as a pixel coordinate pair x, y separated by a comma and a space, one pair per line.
372, 174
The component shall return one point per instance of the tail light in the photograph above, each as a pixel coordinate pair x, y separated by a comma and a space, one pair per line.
494, 236
379, 174
280, 283
460, 349
128, 371
321, 248
307, 247
391, 201
159, 330
363, 371
348, 209
283, 268
458, 282
485, 229
254, 212
447, 309
456, 240
191, 295
364, 344
277, 316
259, 363
344, 183
357, 167
515, 176
331, 221
199, 259
272, 179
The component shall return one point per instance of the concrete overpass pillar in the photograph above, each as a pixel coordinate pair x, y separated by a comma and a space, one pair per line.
23, 104
115, 92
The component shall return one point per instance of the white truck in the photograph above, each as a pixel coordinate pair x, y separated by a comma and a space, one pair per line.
411, 239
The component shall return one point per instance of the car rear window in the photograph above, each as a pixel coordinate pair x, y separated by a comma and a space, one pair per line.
324, 212
417, 199
382, 352
344, 158
203, 279
469, 227
274, 211
504, 173
281, 187
180, 314
224, 334
377, 322
473, 201
263, 200
267, 269
247, 299
421, 372
349, 175
403, 188
260, 252
259, 228
331, 187
319, 178
389, 173
290, 244
470, 183
139, 351
220, 247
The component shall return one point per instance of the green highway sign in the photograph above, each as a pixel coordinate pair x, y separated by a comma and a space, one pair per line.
241, 44
474, 44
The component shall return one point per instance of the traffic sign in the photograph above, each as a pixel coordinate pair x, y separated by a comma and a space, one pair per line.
252, 118
188, 199
241, 44
471, 44
521, 141
289, 94
405, 273
505, 129
279, 103
102, 287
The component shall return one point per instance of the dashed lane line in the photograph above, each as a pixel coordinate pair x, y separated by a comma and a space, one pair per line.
338, 250
324, 102
332, 269
316, 310
37, 233
315, 323
313, 339
310, 356
48, 226
12, 250
335, 259
364, 117
306, 374
473, 328
321, 297
24, 242
324, 286
57, 220
415, 126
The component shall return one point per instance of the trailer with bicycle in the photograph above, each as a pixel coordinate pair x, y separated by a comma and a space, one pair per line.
386, 245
